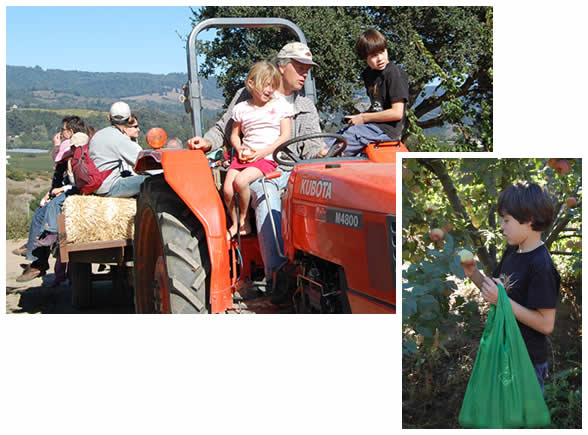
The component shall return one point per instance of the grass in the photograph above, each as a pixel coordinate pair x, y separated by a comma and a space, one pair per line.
17, 224
15, 191
24, 189
21, 203
40, 162
82, 113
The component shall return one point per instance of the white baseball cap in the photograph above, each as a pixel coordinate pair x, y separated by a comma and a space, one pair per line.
120, 112
297, 51
79, 139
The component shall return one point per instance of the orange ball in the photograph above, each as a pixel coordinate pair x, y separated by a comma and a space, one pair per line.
156, 137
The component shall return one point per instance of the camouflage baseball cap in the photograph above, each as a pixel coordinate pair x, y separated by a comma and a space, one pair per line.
297, 51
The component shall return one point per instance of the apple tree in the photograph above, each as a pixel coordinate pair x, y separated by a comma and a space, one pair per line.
450, 204
445, 50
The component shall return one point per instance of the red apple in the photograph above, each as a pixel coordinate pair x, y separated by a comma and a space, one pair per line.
571, 202
562, 167
436, 234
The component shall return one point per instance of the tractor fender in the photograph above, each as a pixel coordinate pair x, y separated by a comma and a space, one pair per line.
188, 173
385, 152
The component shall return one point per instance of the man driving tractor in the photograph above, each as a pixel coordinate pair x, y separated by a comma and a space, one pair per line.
293, 62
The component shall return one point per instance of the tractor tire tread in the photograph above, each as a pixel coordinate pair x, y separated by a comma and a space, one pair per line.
184, 246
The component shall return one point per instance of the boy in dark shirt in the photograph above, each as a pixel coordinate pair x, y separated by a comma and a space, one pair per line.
387, 87
532, 282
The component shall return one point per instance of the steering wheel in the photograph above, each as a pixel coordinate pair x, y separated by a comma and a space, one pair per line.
337, 148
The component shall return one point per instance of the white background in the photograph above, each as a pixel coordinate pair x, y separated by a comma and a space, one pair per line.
126, 374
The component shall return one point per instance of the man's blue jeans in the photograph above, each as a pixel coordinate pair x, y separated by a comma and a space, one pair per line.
541, 372
127, 187
267, 245
35, 231
53, 209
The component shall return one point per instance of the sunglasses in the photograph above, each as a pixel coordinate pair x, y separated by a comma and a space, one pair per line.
133, 126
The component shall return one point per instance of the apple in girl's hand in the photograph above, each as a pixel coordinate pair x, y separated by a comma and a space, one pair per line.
247, 153
466, 256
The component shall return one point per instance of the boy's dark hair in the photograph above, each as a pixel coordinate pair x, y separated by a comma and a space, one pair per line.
75, 123
370, 42
527, 202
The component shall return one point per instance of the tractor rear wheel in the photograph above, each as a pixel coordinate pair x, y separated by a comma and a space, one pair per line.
171, 261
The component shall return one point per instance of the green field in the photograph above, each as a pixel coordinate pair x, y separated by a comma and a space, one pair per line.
82, 113
30, 161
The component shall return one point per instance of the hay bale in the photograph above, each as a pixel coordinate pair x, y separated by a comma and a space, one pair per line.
90, 218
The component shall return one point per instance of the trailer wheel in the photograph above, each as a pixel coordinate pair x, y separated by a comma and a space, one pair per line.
81, 285
171, 261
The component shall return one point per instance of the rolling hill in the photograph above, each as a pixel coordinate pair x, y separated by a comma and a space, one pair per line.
57, 89
37, 100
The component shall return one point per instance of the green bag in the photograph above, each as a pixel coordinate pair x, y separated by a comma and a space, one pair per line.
503, 390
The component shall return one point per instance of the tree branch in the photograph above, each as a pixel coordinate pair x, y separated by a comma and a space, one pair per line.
437, 167
558, 228
570, 236
431, 103
433, 122
575, 254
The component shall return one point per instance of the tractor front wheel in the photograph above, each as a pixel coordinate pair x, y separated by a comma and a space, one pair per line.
171, 261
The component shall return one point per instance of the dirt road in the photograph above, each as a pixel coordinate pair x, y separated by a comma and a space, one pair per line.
40, 297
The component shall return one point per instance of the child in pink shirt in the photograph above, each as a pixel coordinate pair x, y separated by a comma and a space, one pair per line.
264, 123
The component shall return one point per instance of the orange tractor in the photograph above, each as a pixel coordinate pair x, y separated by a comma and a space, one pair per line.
338, 224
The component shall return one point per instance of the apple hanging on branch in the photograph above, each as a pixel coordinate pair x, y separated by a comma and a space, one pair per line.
571, 202
436, 234
562, 167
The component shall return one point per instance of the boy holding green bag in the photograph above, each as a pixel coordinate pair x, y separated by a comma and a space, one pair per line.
532, 281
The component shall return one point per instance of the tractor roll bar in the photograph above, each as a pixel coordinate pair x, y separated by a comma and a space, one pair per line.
195, 97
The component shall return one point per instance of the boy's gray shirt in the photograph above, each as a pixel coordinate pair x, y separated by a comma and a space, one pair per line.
305, 121
111, 149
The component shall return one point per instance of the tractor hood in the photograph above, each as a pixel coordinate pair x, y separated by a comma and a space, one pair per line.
354, 185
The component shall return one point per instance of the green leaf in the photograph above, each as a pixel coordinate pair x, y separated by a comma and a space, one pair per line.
427, 304
409, 347
409, 307
427, 332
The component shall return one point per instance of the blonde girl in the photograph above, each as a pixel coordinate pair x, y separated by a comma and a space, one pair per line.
260, 125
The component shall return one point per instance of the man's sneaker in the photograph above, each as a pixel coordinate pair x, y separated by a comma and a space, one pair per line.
29, 274
20, 251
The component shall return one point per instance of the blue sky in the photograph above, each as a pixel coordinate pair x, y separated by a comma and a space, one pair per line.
98, 39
